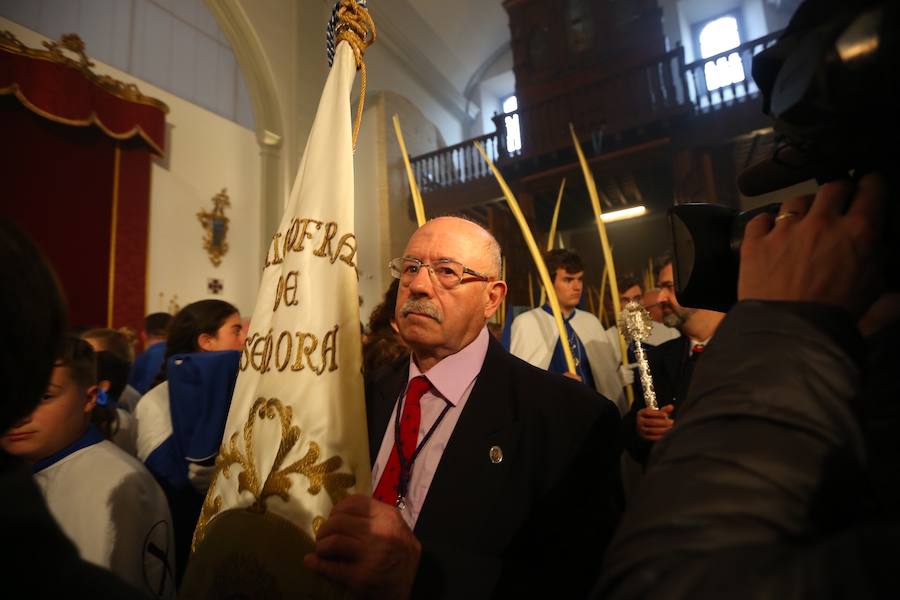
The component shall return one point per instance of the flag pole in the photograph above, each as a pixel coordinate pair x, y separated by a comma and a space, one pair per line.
413, 188
536, 256
607, 252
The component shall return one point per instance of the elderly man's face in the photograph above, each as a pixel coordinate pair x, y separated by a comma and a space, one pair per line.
437, 322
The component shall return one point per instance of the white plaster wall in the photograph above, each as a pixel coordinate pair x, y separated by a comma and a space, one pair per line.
292, 35
384, 219
205, 152
386, 74
370, 190
492, 91
754, 20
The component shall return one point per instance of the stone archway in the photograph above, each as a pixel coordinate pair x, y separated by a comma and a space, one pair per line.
248, 50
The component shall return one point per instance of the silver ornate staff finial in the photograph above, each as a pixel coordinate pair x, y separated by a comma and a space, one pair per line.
635, 324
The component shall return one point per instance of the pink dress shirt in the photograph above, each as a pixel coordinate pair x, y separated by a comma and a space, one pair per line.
451, 380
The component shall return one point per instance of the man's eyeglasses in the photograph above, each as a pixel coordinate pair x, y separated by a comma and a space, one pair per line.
448, 273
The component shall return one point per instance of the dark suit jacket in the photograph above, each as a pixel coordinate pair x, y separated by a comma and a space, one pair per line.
671, 367
537, 523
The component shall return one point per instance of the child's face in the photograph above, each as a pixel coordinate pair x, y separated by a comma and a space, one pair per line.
58, 421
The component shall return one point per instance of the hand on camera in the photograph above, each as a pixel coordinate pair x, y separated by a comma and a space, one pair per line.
816, 251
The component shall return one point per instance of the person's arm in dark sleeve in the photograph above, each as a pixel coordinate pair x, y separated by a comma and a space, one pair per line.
757, 491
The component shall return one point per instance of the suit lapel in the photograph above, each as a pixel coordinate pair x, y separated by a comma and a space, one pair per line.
465, 478
379, 404
675, 357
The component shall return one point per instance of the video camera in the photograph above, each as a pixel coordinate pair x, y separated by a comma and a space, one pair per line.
829, 83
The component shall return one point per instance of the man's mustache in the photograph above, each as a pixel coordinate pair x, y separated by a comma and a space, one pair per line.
422, 307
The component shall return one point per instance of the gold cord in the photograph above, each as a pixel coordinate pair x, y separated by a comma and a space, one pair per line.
356, 27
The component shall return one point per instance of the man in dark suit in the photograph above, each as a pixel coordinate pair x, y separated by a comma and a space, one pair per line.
671, 367
492, 477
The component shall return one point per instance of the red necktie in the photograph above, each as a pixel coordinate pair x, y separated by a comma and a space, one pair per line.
386, 491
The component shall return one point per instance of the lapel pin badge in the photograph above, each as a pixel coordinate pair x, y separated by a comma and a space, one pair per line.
496, 454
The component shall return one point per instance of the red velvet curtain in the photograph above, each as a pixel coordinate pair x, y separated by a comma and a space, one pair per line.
76, 155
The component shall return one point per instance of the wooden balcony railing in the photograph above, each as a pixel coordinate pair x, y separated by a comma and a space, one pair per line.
702, 98
663, 88
455, 164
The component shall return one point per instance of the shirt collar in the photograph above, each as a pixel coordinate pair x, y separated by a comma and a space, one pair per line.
549, 311
91, 436
704, 343
452, 376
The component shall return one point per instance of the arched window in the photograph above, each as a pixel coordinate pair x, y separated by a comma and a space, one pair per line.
513, 135
716, 36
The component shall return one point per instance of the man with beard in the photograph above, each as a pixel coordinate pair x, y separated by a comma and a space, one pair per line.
671, 366
477, 455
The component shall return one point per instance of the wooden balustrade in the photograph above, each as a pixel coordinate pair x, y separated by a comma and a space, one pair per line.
456, 164
702, 98
663, 88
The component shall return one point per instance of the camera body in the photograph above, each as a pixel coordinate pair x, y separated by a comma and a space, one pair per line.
828, 83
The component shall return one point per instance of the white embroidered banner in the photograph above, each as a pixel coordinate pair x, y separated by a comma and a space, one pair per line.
295, 441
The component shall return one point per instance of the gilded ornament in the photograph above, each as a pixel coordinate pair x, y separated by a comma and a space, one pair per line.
215, 224
72, 43
239, 451
635, 324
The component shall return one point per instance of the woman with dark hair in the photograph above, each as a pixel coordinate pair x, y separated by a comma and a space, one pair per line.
182, 418
204, 326
382, 345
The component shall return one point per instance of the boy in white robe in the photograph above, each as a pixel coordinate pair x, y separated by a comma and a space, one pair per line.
535, 337
103, 499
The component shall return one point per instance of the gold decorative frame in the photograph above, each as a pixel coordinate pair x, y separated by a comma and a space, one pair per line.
215, 224
320, 475
74, 44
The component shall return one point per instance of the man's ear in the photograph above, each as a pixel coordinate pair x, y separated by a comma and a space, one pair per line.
90, 398
495, 292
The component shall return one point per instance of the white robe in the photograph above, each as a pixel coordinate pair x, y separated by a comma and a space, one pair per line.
534, 338
115, 513
154, 426
125, 436
154, 420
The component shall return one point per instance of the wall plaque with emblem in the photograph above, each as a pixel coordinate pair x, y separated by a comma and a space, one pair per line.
215, 224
